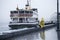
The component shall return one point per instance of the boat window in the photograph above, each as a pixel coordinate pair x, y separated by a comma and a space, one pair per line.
34, 9
15, 19
36, 18
26, 11
13, 12
31, 11
21, 11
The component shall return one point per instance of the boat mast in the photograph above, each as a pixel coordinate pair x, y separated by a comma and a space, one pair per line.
28, 2
28, 5
17, 7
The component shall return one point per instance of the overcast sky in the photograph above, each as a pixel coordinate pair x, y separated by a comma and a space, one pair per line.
45, 8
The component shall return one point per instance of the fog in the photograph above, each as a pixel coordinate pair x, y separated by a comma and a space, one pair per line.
45, 8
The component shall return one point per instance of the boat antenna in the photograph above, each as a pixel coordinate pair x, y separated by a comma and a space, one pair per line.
28, 4
17, 7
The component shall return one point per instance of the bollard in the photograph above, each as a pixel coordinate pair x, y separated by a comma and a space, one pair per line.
42, 33
42, 23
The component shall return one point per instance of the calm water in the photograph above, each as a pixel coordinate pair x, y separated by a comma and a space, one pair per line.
49, 34
4, 27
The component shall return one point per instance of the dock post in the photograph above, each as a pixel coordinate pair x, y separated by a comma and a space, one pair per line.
42, 33
58, 25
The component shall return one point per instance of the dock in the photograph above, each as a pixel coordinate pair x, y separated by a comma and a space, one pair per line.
12, 33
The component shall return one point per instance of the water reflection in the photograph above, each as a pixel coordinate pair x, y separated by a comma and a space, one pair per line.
41, 35
31, 36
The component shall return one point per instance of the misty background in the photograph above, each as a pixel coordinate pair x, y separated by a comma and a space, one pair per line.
45, 8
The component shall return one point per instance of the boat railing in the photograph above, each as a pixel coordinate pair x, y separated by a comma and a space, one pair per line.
24, 22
